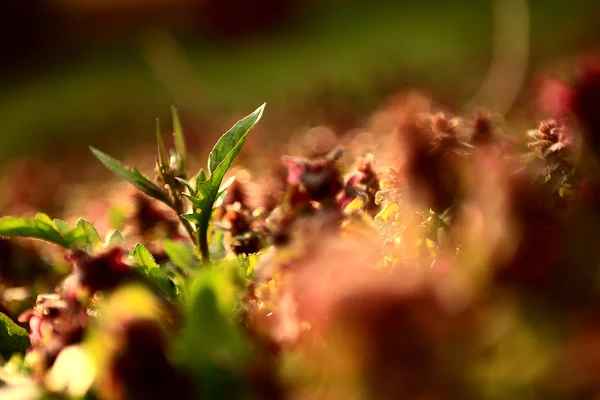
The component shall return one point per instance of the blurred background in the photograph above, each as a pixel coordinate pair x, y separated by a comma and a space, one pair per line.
81, 72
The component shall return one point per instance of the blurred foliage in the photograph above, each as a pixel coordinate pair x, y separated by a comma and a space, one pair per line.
348, 51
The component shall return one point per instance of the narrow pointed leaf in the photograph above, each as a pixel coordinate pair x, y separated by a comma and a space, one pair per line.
179, 139
162, 151
230, 144
186, 184
132, 176
194, 218
200, 178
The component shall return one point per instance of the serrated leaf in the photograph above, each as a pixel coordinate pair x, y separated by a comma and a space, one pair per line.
142, 257
31, 228
148, 267
193, 217
197, 201
131, 175
91, 234
163, 282
62, 227
13, 338
230, 144
181, 254
201, 176
45, 218
116, 239
179, 139
219, 161
186, 184
76, 236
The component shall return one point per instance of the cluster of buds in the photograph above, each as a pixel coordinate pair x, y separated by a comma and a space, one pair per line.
240, 220
551, 138
58, 320
90, 274
241, 223
441, 131
54, 323
313, 185
482, 128
431, 163
363, 183
316, 180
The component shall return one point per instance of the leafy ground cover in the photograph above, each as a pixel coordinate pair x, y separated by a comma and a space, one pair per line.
448, 260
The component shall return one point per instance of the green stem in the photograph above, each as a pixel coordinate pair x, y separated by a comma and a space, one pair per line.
198, 237
177, 206
203, 245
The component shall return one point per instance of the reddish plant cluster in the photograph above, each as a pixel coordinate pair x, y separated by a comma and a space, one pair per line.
467, 270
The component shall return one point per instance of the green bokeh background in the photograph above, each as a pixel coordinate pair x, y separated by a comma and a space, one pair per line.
102, 89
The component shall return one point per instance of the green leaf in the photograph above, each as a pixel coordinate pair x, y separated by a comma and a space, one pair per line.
219, 161
116, 239
201, 176
45, 218
186, 184
249, 263
230, 144
213, 295
132, 176
162, 282
148, 267
91, 234
42, 227
76, 236
181, 254
31, 228
62, 227
193, 217
142, 257
13, 338
179, 139
163, 159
